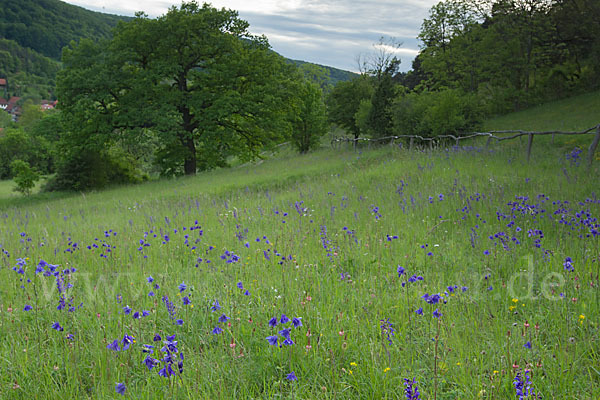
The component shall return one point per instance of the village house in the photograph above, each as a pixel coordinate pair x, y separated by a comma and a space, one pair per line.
13, 108
48, 105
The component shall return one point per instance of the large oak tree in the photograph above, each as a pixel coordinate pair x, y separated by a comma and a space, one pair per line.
195, 80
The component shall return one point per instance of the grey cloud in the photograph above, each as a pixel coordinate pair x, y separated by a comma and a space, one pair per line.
327, 32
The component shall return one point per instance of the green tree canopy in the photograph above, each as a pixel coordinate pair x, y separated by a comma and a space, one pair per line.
195, 77
344, 101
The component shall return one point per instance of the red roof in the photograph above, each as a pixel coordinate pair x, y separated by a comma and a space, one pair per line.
2, 82
3, 101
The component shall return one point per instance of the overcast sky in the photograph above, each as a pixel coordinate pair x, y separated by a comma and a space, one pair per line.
327, 32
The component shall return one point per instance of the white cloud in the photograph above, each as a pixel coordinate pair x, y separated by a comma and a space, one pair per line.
327, 32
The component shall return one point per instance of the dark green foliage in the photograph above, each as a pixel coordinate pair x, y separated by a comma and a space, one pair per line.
194, 78
16, 58
29, 73
344, 101
24, 176
14, 144
34, 146
513, 53
5, 119
82, 169
46, 26
380, 113
309, 122
429, 114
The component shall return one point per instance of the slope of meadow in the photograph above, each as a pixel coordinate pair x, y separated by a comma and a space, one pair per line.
575, 114
331, 275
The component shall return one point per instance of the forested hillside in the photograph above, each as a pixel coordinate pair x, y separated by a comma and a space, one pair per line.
335, 75
32, 35
46, 26
29, 73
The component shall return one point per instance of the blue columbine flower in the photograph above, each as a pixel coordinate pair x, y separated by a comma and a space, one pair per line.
150, 279
215, 306
182, 287
186, 301
284, 319
27, 307
291, 376
288, 342
297, 322
223, 318
240, 286
146, 348
114, 346
568, 264
527, 345
285, 333
400, 271
120, 388
273, 322
127, 341
433, 299
179, 322
150, 362
57, 326
419, 311
246, 293
437, 314
127, 310
157, 338
272, 340
217, 330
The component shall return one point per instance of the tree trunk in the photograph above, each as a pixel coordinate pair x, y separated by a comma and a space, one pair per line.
189, 164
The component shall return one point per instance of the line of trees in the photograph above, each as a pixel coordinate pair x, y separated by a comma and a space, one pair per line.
188, 91
194, 90
478, 58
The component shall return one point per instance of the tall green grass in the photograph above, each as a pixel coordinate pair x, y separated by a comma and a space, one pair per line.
332, 229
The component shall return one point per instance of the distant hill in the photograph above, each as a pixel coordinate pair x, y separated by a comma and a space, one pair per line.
46, 26
335, 75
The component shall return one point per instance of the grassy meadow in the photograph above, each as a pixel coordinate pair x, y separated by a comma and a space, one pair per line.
333, 275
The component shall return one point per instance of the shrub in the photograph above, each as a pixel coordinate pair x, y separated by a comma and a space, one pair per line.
431, 114
24, 176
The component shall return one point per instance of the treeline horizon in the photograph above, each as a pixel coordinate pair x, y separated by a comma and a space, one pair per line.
145, 102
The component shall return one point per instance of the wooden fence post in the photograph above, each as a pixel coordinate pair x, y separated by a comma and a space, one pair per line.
529, 144
593, 146
410, 145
